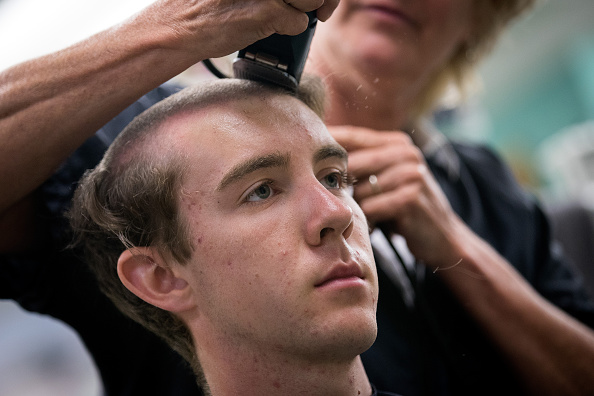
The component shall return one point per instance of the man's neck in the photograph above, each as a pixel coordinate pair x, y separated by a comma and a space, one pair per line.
263, 374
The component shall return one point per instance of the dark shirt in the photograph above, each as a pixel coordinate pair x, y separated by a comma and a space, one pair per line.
435, 350
375, 392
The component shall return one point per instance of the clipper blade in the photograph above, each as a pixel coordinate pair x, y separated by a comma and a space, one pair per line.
252, 70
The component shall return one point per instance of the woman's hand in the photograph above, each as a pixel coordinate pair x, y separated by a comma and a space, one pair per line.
398, 193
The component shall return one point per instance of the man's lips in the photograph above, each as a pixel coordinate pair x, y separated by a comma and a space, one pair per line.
342, 273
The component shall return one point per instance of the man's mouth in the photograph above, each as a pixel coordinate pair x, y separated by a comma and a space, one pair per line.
343, 275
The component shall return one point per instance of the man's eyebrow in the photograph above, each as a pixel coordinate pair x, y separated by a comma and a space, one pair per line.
330, 151
244, 168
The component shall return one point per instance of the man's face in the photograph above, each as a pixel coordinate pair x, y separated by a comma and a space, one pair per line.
282, 258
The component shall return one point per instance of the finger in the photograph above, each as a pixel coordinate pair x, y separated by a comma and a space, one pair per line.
220, 26
326, 10
275, 16
391, 205
365, 162
292, 21
355, 138
388, 181
305, 5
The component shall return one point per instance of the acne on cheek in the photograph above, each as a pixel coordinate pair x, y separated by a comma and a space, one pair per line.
192, 212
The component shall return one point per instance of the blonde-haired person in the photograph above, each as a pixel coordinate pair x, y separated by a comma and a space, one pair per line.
482, 308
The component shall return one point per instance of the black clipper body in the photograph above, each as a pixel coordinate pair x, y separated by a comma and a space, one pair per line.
277, 59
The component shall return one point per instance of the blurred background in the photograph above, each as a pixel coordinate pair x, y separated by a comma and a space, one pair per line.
535, 107
537, 85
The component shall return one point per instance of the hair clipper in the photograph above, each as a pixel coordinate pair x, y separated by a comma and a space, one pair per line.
277, 59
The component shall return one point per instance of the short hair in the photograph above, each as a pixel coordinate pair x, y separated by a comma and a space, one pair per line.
491, 17
131, 199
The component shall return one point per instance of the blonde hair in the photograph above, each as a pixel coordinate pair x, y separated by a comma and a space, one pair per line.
491, 17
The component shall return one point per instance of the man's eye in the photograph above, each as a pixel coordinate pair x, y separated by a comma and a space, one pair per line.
260, 193
332, 180
337, 180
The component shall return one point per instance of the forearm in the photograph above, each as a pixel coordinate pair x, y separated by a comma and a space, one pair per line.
50, 105
551, 352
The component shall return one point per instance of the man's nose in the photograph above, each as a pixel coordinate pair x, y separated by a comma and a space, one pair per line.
328, 215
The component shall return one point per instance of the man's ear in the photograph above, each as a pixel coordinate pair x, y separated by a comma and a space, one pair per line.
143, 271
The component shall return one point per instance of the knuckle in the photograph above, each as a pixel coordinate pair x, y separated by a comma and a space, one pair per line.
418, 155
291, 25
403, 138
313, 5
419, 173
318, 4
305, 5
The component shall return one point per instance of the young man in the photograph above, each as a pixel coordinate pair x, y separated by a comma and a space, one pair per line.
230, 232
50, 109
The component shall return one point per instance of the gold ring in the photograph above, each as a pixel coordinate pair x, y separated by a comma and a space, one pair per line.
375, 188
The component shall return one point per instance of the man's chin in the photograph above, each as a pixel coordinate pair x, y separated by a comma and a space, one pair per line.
352, 335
